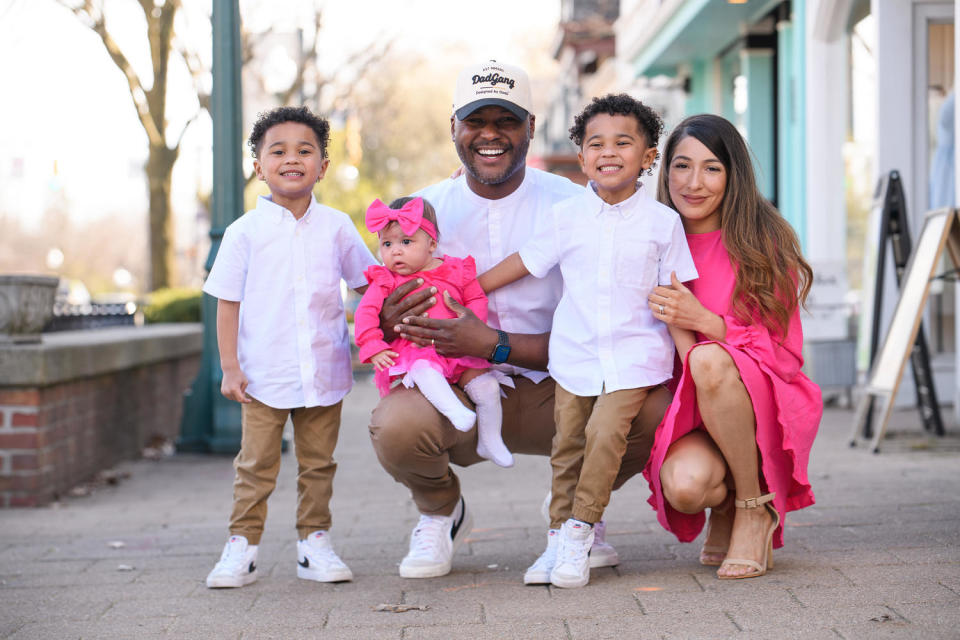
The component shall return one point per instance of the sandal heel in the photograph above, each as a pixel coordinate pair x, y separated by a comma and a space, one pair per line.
760, 568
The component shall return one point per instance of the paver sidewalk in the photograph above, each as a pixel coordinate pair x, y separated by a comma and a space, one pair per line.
877, 557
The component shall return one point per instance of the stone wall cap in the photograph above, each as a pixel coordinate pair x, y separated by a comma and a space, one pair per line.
28, 278
70, 355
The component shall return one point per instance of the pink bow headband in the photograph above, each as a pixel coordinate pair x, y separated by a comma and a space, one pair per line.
409, 217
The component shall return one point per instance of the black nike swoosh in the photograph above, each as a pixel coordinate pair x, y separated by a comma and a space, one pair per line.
305, 563
253, 567
458, 523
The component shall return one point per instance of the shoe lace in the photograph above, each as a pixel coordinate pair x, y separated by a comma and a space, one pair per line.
232, 557
426, 536
571, 553
547, 559
326, 555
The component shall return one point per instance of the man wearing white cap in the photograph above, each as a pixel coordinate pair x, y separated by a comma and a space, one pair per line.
488, 212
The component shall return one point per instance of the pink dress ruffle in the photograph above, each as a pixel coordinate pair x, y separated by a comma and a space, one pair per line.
456, 275
788, 406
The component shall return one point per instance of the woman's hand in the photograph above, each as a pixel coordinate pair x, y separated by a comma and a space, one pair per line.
454, 337
399, 305
678, 307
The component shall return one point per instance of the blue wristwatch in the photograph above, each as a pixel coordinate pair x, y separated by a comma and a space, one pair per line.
502, 351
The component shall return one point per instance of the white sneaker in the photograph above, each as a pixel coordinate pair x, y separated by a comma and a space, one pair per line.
572, 568
602, 554
237, 566
433, 542
539, 571
316, 560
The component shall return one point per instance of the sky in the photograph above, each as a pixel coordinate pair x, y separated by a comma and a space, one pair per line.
70, 136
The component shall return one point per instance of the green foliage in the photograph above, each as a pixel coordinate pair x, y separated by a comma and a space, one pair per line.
173, 305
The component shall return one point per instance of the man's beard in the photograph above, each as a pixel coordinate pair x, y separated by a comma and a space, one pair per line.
519, 159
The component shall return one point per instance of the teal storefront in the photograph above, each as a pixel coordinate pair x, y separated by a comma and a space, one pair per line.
745, 61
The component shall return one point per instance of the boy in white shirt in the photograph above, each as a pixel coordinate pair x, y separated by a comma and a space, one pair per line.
614, 243
283, 342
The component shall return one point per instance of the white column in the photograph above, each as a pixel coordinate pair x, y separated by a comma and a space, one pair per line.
825, 244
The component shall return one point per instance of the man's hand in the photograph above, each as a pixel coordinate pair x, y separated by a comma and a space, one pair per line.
399, 305
464, 335
234, 385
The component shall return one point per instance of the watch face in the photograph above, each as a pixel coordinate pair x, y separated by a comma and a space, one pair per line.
501, 353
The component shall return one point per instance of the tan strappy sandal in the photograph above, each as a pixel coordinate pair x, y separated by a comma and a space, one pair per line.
759, 568
708, 552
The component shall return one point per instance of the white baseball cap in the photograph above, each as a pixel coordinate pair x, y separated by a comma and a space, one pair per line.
492, 83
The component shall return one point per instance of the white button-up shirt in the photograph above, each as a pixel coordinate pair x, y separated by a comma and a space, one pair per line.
491, 230
611, 257
292, 344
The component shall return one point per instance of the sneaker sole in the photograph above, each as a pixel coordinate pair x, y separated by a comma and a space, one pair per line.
568, 583
228, 582
536, 578
437, 570
324, 576
600, 557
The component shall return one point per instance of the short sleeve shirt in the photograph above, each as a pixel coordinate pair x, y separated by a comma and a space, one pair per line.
611, 257
491, 230
286, 273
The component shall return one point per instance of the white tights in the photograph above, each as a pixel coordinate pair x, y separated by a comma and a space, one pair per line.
484, 391
436, 389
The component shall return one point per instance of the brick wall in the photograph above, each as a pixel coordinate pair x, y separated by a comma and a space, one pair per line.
60, 426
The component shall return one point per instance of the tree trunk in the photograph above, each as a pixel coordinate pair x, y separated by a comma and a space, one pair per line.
159, 172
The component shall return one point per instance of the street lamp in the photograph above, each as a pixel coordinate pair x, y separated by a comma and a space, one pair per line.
211, 423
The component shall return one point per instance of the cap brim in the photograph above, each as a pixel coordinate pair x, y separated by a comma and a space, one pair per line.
469, 108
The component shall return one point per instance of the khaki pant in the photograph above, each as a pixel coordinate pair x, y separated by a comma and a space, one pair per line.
416, 445
315, 431
590, 442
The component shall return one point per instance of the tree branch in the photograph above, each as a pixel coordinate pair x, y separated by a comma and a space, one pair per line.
93, 17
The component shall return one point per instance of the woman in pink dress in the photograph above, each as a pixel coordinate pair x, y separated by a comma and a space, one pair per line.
738, 435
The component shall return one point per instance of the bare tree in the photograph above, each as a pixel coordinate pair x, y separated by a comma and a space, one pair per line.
149, 96
150, 101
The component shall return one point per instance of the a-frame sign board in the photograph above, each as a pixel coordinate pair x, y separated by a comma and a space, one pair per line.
941, 230
890, 204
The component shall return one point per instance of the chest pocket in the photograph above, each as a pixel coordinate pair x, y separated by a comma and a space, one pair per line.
637, 266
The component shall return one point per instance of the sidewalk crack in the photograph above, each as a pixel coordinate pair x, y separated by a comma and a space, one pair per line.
636, 597
849, 580
898, 614
796, 599
732, 621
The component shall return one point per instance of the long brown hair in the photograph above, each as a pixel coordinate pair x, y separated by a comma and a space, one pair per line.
772, 276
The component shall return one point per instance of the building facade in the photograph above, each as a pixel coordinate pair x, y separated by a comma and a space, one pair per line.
831, 95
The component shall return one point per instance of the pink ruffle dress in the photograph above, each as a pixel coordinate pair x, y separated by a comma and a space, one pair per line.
456, 275
787, 404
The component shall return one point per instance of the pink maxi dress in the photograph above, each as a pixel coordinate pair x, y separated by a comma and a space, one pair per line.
456, 275
787, 404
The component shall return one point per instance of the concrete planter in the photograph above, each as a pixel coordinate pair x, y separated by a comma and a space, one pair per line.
26, 304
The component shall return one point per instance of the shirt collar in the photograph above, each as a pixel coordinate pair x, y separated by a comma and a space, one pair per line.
625, 209
275, 212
